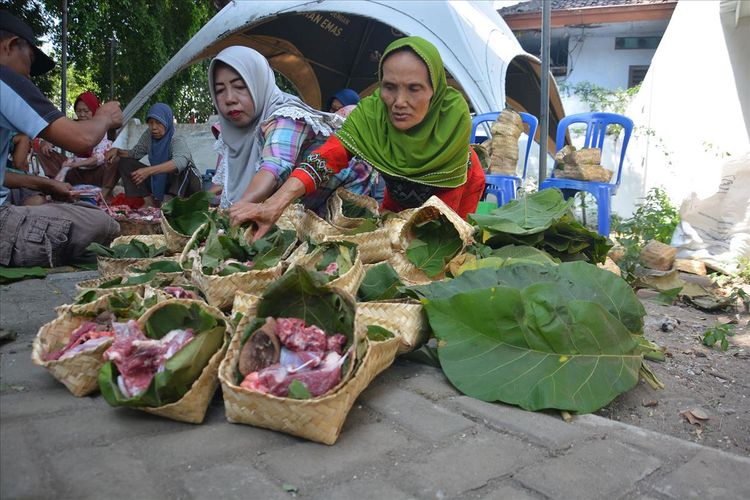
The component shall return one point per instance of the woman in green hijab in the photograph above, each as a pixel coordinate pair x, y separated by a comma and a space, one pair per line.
414, 130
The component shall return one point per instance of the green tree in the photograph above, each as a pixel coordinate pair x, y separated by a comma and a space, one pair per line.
147, 34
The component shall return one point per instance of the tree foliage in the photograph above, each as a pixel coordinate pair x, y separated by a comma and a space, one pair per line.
147, 33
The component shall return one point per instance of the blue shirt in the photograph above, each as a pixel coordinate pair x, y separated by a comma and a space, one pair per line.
24, 109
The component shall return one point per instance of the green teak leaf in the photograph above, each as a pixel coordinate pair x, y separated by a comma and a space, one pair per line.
434, 244
534, 348
10, 274
381, 282
298, 390
185, 215
377, 333
303, 294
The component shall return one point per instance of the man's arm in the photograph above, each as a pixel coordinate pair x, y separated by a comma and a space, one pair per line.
58, 190
81, 137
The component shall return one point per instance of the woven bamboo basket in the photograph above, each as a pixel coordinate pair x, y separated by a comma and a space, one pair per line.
349, 281
319, 419
93, 308
373, 247
291, 217
78, 373
430, 210
312, 227
299, 252
403, 317
335, 208
245, 304
176, 241
408, 271
220, 290
93, 284
393, 226
109, 266
191, 408
133, 228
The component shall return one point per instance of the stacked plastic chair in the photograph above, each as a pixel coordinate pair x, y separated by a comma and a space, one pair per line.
505, 187
596, 127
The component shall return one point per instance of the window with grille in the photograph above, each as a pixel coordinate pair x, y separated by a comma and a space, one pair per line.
636, 74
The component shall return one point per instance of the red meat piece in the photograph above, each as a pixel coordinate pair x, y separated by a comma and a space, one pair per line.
80, 340
138, 358
293, 333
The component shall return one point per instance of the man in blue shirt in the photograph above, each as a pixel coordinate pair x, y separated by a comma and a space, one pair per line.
52, 233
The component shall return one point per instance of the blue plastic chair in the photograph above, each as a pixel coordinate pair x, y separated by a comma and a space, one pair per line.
596, 127
505, 187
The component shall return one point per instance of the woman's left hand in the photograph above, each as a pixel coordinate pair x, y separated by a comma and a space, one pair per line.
140, 175
264, 215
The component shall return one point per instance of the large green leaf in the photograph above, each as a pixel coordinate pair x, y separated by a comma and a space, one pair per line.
9, 274
269, 250
435, 242
529, 214
575, 280
534, 348
185, 215
174, 315
355, 211
134, 249
303, 294
507, 256
381, 282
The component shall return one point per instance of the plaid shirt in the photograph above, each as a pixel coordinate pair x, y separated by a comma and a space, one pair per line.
287, 141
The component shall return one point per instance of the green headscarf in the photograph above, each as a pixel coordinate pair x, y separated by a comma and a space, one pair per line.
436, 151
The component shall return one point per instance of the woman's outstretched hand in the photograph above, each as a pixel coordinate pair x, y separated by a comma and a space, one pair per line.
264, 215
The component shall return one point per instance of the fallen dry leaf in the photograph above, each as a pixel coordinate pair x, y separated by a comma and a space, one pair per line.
650, 403
696, 416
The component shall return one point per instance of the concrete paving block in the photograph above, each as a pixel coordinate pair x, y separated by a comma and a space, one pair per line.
669, 449
506, 492
597, 469
22, 474
549, 431
38, 404
16, 369
433, 385
360, 443
710, 474
106, 472
466, 464
417, 414
199, 445
230, 481
101, 425
362, 489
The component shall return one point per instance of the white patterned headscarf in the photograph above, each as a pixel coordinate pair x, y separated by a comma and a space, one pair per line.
244, 144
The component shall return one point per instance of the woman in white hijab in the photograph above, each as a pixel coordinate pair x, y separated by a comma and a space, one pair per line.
268, 131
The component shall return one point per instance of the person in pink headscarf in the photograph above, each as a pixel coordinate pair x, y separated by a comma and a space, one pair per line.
89, 168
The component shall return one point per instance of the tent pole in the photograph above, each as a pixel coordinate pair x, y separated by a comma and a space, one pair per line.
64, 75
544, 105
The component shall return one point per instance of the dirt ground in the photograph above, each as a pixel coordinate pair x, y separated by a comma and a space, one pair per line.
696, 378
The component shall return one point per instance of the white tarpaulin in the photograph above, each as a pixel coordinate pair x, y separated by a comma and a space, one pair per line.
692, 113
337, 43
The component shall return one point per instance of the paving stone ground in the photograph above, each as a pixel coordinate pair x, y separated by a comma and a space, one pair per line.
409, 435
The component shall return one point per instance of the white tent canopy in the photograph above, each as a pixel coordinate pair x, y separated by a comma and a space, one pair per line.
325, 45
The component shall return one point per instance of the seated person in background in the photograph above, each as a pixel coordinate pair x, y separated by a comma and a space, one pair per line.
171, 172
268, 131
90, 167
53, 233
342, 99
414, 129
18, 162
20, 148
